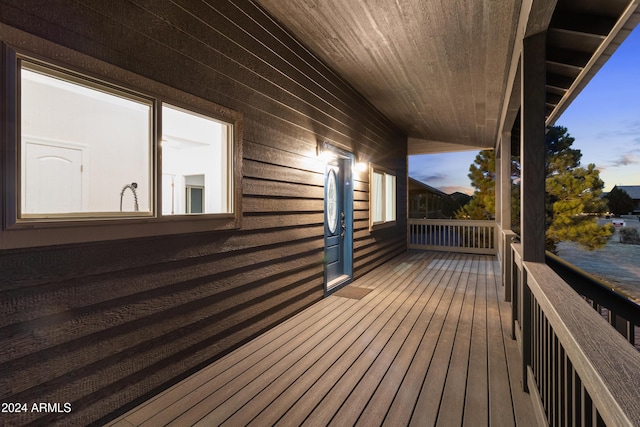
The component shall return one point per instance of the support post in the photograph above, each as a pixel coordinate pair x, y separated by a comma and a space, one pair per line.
532, 149
505, 181
504, 204
532, 185
498, 184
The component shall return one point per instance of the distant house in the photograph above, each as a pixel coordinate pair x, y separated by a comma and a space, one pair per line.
429, 202
634, 192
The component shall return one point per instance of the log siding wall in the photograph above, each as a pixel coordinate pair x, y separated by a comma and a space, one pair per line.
106, 325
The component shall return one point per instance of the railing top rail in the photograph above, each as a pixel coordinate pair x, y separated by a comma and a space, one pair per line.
462, 222
591, 287
607, 364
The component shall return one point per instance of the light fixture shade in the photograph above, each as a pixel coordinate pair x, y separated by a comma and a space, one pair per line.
324, 151
361, 167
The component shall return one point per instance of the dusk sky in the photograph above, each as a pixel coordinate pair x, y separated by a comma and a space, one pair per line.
604, 119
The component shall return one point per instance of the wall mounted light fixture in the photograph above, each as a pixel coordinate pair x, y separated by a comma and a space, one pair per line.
360, 166
324, 151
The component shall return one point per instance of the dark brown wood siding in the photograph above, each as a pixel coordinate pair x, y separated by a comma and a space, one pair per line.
106, 325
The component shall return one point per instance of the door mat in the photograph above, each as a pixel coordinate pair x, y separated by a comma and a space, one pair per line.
353, 292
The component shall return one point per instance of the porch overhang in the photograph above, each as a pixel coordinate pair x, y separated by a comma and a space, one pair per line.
447, 73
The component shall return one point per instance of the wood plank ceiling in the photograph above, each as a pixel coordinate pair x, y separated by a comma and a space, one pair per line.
440, 69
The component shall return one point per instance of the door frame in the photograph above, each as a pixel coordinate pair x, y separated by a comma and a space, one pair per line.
347, 161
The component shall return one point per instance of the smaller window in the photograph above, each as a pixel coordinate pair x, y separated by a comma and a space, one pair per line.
197, 163
382, 197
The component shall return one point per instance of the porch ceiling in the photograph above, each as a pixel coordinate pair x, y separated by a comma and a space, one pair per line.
444, 71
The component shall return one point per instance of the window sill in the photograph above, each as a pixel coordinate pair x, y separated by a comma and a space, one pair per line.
382, 225
28, 234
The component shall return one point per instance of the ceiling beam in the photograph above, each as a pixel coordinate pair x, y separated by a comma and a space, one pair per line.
567, 56
583, 22
559, 81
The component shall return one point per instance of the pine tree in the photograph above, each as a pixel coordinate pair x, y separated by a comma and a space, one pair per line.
572, 193
483, 176
620, 203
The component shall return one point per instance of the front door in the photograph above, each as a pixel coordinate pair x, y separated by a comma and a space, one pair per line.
338, 220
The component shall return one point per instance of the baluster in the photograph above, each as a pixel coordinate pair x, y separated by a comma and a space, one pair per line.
578, 402
587, 409
567, 407
545, 369
527, 301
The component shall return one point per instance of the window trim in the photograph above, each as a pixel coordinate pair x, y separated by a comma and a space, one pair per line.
372, 199
27, 232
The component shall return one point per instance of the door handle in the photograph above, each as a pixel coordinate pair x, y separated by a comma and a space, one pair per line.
342, 226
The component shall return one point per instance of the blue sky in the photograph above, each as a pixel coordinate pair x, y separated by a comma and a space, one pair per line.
604, 119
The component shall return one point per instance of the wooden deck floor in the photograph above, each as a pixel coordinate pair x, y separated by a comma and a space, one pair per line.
423, 340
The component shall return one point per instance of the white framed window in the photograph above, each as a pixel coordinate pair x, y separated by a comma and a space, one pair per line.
85, 148
89, 159
382, 197
196, 159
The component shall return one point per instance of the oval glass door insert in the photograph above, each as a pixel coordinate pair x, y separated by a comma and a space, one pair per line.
332, 202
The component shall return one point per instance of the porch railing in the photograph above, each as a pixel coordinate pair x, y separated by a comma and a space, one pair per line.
578, 370
478, 237
620, 311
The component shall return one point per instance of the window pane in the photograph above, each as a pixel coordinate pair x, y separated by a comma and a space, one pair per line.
85, 148
195, 153
378, 197
390, 195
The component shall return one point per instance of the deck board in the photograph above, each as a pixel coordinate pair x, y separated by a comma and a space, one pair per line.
451, 408
476, 409
372, 384
429, 345
347, 350
376, 410
430, 396
500, 403
404, 403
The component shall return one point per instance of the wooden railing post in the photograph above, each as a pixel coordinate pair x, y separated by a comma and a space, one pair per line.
507, 238
516, 284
